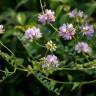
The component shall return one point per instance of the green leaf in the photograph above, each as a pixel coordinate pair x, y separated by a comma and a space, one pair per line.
21, 18
19, 61
91, 8
75, 85
58, 11
21, 3
69, 77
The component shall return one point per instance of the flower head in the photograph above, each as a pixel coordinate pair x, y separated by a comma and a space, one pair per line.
42, 18
72, 14
33, 32
87, 30
67, 31
80, 13
50, 16
1, 29
82, 47
50, 62
51, 46
47, 17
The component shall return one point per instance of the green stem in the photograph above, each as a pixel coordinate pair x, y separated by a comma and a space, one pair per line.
41, 6
75, 52
86, 57
73, 69
7, 48
38, 44
54, 27
71, 82
46, 52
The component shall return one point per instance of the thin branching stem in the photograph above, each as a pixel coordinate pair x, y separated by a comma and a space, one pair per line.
7, 48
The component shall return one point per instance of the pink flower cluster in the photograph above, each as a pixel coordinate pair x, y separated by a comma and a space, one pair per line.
33, 32
67, 31
75, 13
47, 17
87, 30
50, 61
82, 47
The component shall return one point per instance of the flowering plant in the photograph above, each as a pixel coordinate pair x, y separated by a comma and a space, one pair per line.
52, 48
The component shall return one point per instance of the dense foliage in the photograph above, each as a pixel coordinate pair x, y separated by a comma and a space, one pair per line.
47, 48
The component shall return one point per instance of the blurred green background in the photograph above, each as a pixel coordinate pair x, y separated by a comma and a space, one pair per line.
21, 12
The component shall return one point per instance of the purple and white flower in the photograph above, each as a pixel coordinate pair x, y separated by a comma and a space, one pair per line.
42, 19
33, 32
50, 16
47, 17
50, 62
72, 14
82, 47
80, 14
67, 31
87, 30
